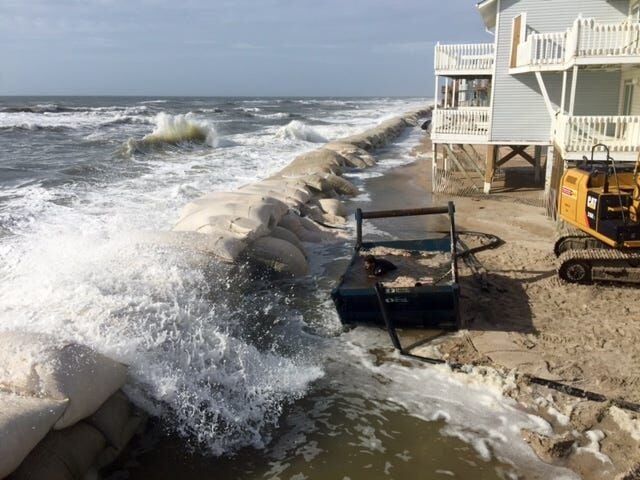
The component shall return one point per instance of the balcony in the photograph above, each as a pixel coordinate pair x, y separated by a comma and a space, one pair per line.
471, 59
587, 42
575, 135
461, 125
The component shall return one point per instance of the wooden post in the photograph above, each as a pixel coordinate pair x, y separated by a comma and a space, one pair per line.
537, 168
490, 167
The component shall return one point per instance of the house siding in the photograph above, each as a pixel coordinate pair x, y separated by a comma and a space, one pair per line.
519, 114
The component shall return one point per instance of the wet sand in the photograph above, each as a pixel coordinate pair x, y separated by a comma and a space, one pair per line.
530, 322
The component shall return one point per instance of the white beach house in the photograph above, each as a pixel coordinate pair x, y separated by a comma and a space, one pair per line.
563, 75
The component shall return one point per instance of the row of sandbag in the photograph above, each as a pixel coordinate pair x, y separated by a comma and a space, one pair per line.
61, 409
269, 220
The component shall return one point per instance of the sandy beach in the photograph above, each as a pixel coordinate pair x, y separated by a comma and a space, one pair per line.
531, 323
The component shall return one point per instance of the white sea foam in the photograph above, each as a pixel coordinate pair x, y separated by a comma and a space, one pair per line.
473, 413
46, 117
297, 130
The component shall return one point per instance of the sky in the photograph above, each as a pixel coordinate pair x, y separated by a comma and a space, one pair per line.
228, 47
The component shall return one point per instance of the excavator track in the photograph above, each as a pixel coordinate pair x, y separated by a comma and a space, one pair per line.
601, 264
570, 238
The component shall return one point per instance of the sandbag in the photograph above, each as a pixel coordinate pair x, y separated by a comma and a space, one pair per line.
226, 246
260, 208
316, 182
359, 140
333, 206
315, 213
117, 420
24, 421
39, 365
63, 455
214, 216
279, 255
293, 197
241, 228
287, 235
304, 228
341, 185
316, 161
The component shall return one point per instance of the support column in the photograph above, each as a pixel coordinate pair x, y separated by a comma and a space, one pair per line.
574, 83
434, 168
549, 170
445, 103
563, 100
490, 167
537, 167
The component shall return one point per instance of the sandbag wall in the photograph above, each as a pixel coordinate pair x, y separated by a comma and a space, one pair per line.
268, 221
62, 413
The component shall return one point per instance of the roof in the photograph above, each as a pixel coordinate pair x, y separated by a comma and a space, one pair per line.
488, 11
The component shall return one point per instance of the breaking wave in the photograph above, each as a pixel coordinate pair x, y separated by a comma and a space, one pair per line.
297, 130
174, 130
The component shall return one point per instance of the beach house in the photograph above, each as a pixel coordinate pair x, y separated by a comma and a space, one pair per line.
559, 77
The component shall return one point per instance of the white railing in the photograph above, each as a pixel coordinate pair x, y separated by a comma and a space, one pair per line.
585, 40
580, 133
469, 57
543, 49
600, 39
470, 121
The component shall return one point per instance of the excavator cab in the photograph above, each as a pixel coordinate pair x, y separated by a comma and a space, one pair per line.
598, 209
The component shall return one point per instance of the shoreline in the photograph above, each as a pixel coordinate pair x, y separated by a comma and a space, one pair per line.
531, 323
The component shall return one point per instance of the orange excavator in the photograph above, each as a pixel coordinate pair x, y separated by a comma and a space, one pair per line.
599, 213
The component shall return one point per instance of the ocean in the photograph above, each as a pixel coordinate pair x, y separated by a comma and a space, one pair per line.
252, 374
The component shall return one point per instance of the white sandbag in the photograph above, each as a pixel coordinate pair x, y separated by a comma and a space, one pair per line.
24, 421
316, 182
279, 255
295, 224
316, 161
291, 197
359, 140
315, 213
260, 208
341, 185
36, 364
117, 420
226, 246
216, 215
333, 206
234, 226
63, 455
287, 235
357, 157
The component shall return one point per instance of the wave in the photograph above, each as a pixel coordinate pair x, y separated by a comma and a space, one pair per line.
274, 115
54, 108
297, 130
33, 127
174, 130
